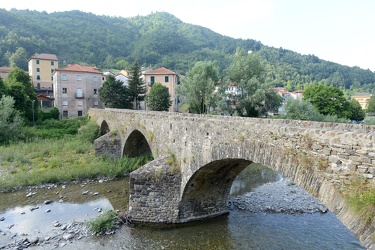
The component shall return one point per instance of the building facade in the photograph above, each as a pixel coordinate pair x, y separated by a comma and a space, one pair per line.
76, 90
168, 79
4, 71
362, 98
41, 70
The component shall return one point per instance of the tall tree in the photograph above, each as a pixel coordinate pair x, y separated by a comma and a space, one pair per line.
18, 85
248, 72
199, 85
328, 100
371, 105
10, 120
114, 94
137, 87
158, 99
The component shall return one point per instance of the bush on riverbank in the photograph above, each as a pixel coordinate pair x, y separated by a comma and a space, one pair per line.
104, 223
361, 197
54, 153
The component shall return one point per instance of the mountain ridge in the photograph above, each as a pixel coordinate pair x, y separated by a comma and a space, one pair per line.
158, 40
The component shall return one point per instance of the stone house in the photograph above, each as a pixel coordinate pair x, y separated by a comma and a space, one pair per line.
76, 90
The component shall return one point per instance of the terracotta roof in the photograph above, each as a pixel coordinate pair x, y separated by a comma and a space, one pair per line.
5, 69
44, 56
79, 68
297, 91
160, 71
232, 84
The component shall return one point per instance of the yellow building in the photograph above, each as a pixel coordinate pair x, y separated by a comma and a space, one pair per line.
167, 78
41, 69
362, 98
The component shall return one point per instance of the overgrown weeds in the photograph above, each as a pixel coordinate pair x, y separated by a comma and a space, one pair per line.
361, 197
104, 223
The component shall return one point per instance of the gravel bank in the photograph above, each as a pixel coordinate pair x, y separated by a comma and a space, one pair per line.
282, 196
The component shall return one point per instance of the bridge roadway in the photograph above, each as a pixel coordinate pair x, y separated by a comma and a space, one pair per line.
197, 157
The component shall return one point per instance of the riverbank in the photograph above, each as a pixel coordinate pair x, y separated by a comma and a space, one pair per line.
282, 196
276, 197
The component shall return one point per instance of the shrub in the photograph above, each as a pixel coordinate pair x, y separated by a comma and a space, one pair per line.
89, 132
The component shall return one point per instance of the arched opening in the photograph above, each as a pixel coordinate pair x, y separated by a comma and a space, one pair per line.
104, 128
207, 191
136, 145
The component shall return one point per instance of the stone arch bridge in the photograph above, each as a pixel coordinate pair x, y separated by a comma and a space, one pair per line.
197, 157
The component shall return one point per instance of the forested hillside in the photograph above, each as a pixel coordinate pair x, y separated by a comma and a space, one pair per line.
157, 40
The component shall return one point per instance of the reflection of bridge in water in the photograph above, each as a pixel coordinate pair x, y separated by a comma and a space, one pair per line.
198, 157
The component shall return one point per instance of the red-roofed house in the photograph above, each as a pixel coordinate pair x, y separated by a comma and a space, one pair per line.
76, 89
167, 78
4, 71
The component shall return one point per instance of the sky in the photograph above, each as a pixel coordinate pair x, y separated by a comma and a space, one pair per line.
340, 31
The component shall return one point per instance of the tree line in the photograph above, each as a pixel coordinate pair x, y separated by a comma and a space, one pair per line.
159, 40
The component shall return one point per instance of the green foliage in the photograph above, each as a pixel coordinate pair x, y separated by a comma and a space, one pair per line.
10, 120
104, 223
137, 89
52, 128
300, 110
53, 113
19, 86
254, 98
114, 94
328, 100
158, 99
371, 105
357, 113
89, 132
159, 40
199, 85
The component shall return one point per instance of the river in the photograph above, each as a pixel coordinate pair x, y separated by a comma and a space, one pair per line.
25, 214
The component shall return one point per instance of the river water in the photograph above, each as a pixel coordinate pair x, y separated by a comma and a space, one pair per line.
29, 216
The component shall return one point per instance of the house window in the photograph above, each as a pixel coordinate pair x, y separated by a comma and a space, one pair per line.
37, 69
51, 78
65, 103
37, 61
79, 112
96, 103
166, 79
95, 91
95, 79
38, 85
79, 78
38, 77
152, 80
79, 103
65, 113
64, 77
52, 63
79, 93
52, 70
65, 90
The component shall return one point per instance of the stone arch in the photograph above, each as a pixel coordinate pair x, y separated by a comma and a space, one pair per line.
206, 193
104, 128
136, 145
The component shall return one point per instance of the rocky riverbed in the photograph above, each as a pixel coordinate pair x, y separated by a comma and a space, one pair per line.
282, 196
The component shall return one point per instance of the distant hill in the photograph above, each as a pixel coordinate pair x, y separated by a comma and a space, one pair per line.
157, 40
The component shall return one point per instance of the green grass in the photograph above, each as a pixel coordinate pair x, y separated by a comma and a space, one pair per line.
70, 157
106, 222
